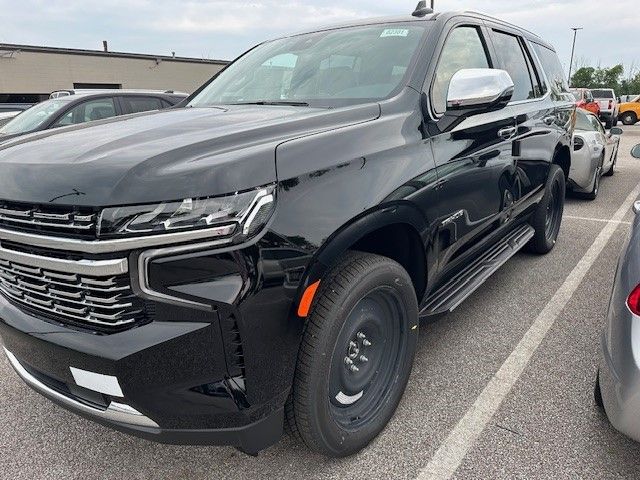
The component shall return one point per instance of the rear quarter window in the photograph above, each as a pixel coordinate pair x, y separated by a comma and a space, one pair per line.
554, 72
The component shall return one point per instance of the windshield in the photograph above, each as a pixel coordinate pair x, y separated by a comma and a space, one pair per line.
582, 121
33, 117
602, 93
327, 68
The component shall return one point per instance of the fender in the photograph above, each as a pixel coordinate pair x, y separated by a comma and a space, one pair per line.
399, 212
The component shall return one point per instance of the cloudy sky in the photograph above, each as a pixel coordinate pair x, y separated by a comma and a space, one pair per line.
222, 29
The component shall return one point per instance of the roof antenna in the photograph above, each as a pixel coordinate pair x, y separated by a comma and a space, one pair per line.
422, 9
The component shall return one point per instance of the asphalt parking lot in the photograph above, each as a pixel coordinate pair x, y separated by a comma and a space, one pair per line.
501, 388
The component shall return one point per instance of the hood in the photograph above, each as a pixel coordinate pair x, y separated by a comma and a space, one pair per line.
166, 155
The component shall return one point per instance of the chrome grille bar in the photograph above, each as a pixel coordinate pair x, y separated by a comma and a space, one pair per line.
32, 264
119, 244
35, 217
91, 292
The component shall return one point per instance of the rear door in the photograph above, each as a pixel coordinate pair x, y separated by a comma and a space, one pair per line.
535, 141
474, 163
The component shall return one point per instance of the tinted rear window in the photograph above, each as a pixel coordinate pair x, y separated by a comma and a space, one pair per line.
602, 93
553, 69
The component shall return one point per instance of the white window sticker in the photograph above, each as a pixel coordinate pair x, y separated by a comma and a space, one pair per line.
394, 32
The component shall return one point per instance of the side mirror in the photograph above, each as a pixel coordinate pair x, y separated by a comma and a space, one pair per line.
475, 90
635, 151
616, 131
578, 143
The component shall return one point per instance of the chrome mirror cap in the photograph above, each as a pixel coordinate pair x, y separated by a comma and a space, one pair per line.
635, 151
479, 87
636, 207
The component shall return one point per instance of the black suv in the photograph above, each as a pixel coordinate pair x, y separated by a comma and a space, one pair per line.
263, 255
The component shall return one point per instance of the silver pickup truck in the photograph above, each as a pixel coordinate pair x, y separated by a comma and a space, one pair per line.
609, 106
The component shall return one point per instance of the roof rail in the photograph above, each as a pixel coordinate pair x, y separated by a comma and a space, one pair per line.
480, 14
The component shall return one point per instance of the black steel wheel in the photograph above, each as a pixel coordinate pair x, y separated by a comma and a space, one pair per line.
356, 354
547, 218
368, 352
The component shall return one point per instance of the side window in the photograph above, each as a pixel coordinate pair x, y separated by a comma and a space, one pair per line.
463, 48
553, 69
88, 111
142, 104
514, 60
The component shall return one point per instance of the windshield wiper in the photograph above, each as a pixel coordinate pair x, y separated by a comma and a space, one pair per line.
273, 102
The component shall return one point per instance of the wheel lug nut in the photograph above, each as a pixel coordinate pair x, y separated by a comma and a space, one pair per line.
363, 359
366, 343
353, 344
348, 361
361, 336
354, 369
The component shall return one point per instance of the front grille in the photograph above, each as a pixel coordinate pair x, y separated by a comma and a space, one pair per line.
69, 297
49, 219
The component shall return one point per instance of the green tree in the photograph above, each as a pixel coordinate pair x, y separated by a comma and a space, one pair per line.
583, 78
589, 77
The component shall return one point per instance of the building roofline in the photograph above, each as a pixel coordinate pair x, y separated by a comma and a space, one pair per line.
99, 53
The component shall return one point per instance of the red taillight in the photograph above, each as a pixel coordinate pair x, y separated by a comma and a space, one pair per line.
633, 300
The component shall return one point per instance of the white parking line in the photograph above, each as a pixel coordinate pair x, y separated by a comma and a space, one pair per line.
452, 451
593, 219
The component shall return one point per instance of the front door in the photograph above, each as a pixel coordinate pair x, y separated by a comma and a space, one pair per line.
474, 161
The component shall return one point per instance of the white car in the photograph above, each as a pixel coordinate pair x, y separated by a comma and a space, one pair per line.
595, 153
609, 106
6, 116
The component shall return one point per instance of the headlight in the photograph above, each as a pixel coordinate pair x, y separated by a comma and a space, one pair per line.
248, 211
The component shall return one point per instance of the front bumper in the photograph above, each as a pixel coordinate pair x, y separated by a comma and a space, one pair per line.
250, 438
172, 379
619, 372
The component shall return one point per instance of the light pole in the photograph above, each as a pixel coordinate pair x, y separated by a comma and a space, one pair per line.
573, 49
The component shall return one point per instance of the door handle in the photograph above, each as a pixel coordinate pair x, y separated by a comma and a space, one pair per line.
507, 132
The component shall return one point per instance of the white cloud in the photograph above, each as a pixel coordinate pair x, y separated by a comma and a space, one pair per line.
239, 17
225, 28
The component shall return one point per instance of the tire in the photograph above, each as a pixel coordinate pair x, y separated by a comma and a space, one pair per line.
611, 171
593, 194
629, 118
364, 315
614, 121
608, 123
547, 218
597, 392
